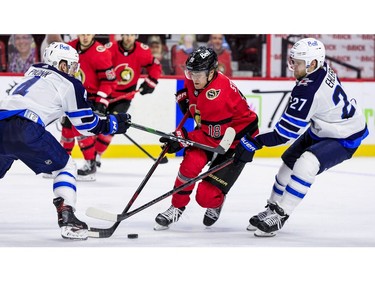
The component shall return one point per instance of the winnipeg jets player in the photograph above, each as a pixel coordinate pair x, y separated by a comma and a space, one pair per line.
47, 92
325, 125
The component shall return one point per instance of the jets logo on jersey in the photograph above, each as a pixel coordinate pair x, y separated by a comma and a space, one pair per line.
212, 94
304, 82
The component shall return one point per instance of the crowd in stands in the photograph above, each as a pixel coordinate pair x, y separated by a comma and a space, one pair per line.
235, 52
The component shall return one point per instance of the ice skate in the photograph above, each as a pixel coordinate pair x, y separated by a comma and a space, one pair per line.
212, 215
272, 223
255, 220
87, 172
163, 220
71, 227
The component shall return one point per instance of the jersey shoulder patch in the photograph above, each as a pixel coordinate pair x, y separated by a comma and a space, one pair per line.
144, 46
212, 94
100, 49
108, 45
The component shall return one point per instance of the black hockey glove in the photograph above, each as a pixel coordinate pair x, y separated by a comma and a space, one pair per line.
118, 123
245, 150
148, 86
175, 146
182, 100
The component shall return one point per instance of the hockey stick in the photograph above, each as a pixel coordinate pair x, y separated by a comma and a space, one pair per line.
163, 160
284, 92
104, 215
107, 232
221, 148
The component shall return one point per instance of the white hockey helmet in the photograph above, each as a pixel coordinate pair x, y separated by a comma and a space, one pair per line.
58, 51
308, 50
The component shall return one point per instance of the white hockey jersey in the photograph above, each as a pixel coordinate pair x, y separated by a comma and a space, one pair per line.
45, 94
320, 101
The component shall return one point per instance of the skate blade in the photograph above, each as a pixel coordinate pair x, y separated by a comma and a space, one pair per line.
68, 232
250, 227
259, 233
159, 227
86, 178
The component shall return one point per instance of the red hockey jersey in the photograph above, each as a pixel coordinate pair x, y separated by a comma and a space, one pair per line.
219, 106
128, 66
96, 68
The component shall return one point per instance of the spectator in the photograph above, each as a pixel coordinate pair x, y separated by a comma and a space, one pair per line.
22, 53
218, 43
159, 51
180, 53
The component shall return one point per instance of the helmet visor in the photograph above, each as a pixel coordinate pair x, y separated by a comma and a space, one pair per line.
196, 75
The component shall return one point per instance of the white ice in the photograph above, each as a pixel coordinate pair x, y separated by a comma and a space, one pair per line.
338, 213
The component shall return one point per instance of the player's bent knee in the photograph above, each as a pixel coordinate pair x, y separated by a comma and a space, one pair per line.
209, 196
307, 167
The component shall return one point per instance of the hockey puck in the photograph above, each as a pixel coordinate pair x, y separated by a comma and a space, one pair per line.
133, 236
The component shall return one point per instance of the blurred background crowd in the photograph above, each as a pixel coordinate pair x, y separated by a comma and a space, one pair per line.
240, 55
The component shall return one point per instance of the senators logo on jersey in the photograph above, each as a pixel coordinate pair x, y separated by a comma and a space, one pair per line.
126, 74
212, 94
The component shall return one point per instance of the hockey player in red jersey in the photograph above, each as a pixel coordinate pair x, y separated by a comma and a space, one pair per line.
129, 58
98, 76
215, 103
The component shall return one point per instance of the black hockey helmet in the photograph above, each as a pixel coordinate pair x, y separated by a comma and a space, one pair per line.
202, 59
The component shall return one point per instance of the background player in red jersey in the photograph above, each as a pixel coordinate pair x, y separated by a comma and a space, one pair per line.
98, 77
129, 58
216, 104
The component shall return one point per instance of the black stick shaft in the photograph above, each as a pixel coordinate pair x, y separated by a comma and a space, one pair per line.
219, 150
218, 167
140, 147
105, 233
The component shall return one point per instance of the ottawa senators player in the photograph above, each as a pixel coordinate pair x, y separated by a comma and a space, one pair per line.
129, 58
98, 76
216, 104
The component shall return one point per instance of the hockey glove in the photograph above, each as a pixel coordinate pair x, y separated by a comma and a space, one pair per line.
175, 146
148, 86
118, 123
100, 103
182, 100
245, 150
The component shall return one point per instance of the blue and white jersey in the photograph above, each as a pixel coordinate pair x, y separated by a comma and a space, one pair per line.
45, 94
319, 102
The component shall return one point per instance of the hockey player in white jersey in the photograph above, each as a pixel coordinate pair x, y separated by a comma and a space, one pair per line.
47, 92
323, 122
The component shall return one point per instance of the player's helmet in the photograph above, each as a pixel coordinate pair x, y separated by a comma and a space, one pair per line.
58, 51
202, 59
308, 49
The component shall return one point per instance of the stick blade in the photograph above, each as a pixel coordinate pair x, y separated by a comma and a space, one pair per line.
101, 214
227, 140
